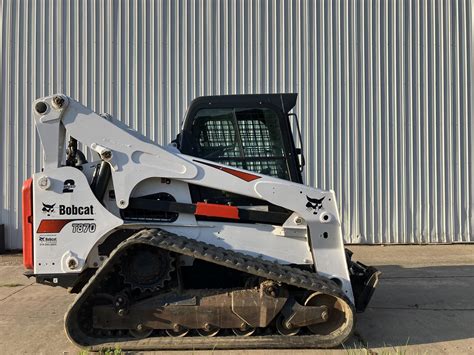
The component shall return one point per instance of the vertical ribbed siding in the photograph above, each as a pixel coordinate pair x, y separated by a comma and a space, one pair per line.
386, 92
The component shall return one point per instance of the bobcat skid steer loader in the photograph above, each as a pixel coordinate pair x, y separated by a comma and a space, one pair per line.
210, 242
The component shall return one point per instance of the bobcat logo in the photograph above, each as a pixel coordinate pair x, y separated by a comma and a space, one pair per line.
48, 209
315, 204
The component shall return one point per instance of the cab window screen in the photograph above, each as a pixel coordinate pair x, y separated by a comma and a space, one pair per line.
246, 138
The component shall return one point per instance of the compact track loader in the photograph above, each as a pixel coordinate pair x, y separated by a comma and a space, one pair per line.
212, 239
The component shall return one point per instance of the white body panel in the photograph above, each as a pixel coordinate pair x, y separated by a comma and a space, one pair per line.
137, 165
52, 250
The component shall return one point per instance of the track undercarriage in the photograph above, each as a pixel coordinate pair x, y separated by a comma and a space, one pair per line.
265, 304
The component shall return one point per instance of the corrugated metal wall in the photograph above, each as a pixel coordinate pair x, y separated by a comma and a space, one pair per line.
386, 92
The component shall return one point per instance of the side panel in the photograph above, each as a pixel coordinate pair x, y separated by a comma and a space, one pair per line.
261, 240
257, 240
316, 207
67, 222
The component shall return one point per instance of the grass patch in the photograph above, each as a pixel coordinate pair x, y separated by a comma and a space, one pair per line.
11, 285
106, 351
388, 350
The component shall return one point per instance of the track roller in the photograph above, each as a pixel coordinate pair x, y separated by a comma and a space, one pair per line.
244, 331
178, 331
208, 330
141, 332
283, 328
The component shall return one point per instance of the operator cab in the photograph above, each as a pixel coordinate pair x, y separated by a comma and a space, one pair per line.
250, 132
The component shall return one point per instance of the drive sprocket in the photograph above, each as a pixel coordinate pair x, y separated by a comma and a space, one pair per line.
146, 269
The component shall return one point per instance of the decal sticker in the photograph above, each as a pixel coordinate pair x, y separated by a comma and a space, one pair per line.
52, 225
239, 174
47, 240
68, 210
315, 204
69, 186
83, 227
57, 225
48, 209
80, 210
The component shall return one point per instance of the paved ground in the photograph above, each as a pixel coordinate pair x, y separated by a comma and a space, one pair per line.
425, 298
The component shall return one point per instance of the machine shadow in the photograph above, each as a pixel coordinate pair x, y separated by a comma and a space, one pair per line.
418, 306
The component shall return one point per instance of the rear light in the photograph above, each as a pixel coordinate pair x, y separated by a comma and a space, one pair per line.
27, 219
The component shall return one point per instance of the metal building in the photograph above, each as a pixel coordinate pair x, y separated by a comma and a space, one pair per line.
386, 92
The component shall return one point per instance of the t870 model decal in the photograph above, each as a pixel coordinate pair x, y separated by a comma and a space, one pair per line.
83, 227
56, 226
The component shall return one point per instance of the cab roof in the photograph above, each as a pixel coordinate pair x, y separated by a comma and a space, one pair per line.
284, 102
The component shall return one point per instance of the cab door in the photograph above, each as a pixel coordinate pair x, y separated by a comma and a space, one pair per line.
250, 132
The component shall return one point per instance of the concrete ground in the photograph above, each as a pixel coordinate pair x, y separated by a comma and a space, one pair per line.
424, 304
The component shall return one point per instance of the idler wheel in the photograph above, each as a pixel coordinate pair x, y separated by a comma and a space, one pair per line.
339, 317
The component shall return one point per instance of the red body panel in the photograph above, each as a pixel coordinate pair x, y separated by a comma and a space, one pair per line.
27, 219
240, 174
215, 210
52, 225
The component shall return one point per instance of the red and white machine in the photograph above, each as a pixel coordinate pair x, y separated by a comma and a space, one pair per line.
212, 236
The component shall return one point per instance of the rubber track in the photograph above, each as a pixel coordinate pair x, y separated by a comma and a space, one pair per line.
217, 255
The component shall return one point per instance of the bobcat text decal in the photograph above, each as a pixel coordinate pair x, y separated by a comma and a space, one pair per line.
81, 210
68, 210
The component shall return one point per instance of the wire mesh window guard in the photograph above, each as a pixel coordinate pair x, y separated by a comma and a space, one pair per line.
246, 138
